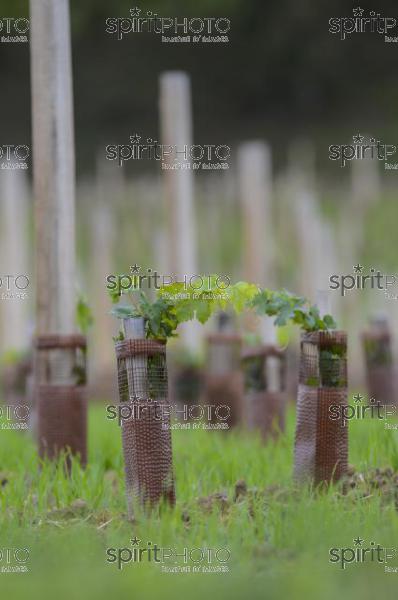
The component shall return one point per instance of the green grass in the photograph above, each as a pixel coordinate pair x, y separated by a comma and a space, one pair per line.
279, 543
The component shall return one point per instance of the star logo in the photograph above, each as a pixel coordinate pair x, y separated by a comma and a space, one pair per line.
358, 139
135, 139
135, 12
135, 268
357, 398
135, 541
358, 541
357, 11
358, 268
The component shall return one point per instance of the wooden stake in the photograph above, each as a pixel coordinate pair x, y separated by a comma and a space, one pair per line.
53, 165
109, 188
176, 130
323, 302
255, 179
54, 177
316, 243
14, 259
365, 184
137, 371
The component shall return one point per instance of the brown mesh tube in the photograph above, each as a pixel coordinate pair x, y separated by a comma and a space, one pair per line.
321, 443
265, 396
146, 436
62, 414
60, 372
292, 370
14, 382
379, 366
223, 382
186, 387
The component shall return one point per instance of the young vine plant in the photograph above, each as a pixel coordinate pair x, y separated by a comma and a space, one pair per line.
174, 305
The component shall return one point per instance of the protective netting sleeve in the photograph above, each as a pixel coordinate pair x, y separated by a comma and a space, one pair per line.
60, 395
14, 382
323, 359
380, 372
264, 371
146, 433
223, 384
321, 442
62, 421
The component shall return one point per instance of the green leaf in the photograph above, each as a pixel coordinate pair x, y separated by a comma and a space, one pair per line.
176, 304
123, 312
329, 322
84, 317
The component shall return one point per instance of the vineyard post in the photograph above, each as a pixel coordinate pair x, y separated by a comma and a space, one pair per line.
378, 351
365, 185
323, 302
102, 224
303, 201
14, 260
255, 185
53, 166
176, 131
134, 329
315, 239
363, 192
60, 354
